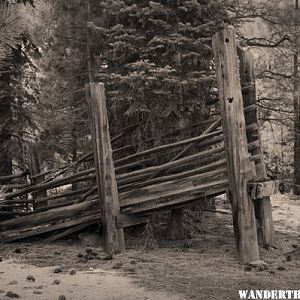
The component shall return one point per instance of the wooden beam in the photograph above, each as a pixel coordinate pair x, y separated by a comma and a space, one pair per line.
51, 215
165, 189
13, 176
180, 161
52, 184
252, 146
183, 152
70, 230
263, 208
260, 190
234, 129
180, 175
63, 195
10, 236
179, 197
168, 146
105, 172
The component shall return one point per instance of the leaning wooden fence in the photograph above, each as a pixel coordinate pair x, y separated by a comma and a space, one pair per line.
123, 187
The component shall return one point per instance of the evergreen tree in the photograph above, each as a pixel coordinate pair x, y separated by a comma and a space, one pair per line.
62, 109
155, 59
15, 93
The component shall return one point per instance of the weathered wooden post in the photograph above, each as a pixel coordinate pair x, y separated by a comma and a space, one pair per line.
34, 166
263, 209
105, 172
238, 160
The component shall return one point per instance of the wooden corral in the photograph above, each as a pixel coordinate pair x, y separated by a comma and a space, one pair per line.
123, 187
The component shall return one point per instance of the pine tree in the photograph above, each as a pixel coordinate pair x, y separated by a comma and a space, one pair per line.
155, 58
62, 108
14, 92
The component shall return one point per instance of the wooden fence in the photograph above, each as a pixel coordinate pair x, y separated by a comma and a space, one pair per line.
123, 187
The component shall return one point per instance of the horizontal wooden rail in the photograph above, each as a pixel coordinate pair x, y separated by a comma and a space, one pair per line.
14, 235
200, 155
63, 195
14, 186
188, 148
170, 187
168, 146
179, 168
15, 213
181, 175
50, 215
49, 185
13, 176
180, 198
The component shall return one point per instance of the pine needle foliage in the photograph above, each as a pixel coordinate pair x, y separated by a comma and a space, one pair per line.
155, 58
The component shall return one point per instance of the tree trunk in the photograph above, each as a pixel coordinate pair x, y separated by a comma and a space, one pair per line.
175, 230
297, 112
5, 136
5, 155
34, 164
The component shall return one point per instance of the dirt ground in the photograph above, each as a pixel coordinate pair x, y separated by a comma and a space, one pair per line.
202, 267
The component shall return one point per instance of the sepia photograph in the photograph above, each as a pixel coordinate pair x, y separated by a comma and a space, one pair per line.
150, 150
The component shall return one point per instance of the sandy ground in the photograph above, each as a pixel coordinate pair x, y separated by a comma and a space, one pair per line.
202, 267
92, 284
286, 212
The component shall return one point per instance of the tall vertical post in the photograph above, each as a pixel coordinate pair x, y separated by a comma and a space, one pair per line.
238, 159
105, 172
263, 208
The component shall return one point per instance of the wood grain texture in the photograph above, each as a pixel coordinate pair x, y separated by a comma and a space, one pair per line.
234, 130
51, 215
263, 208
14, 235
105, 172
